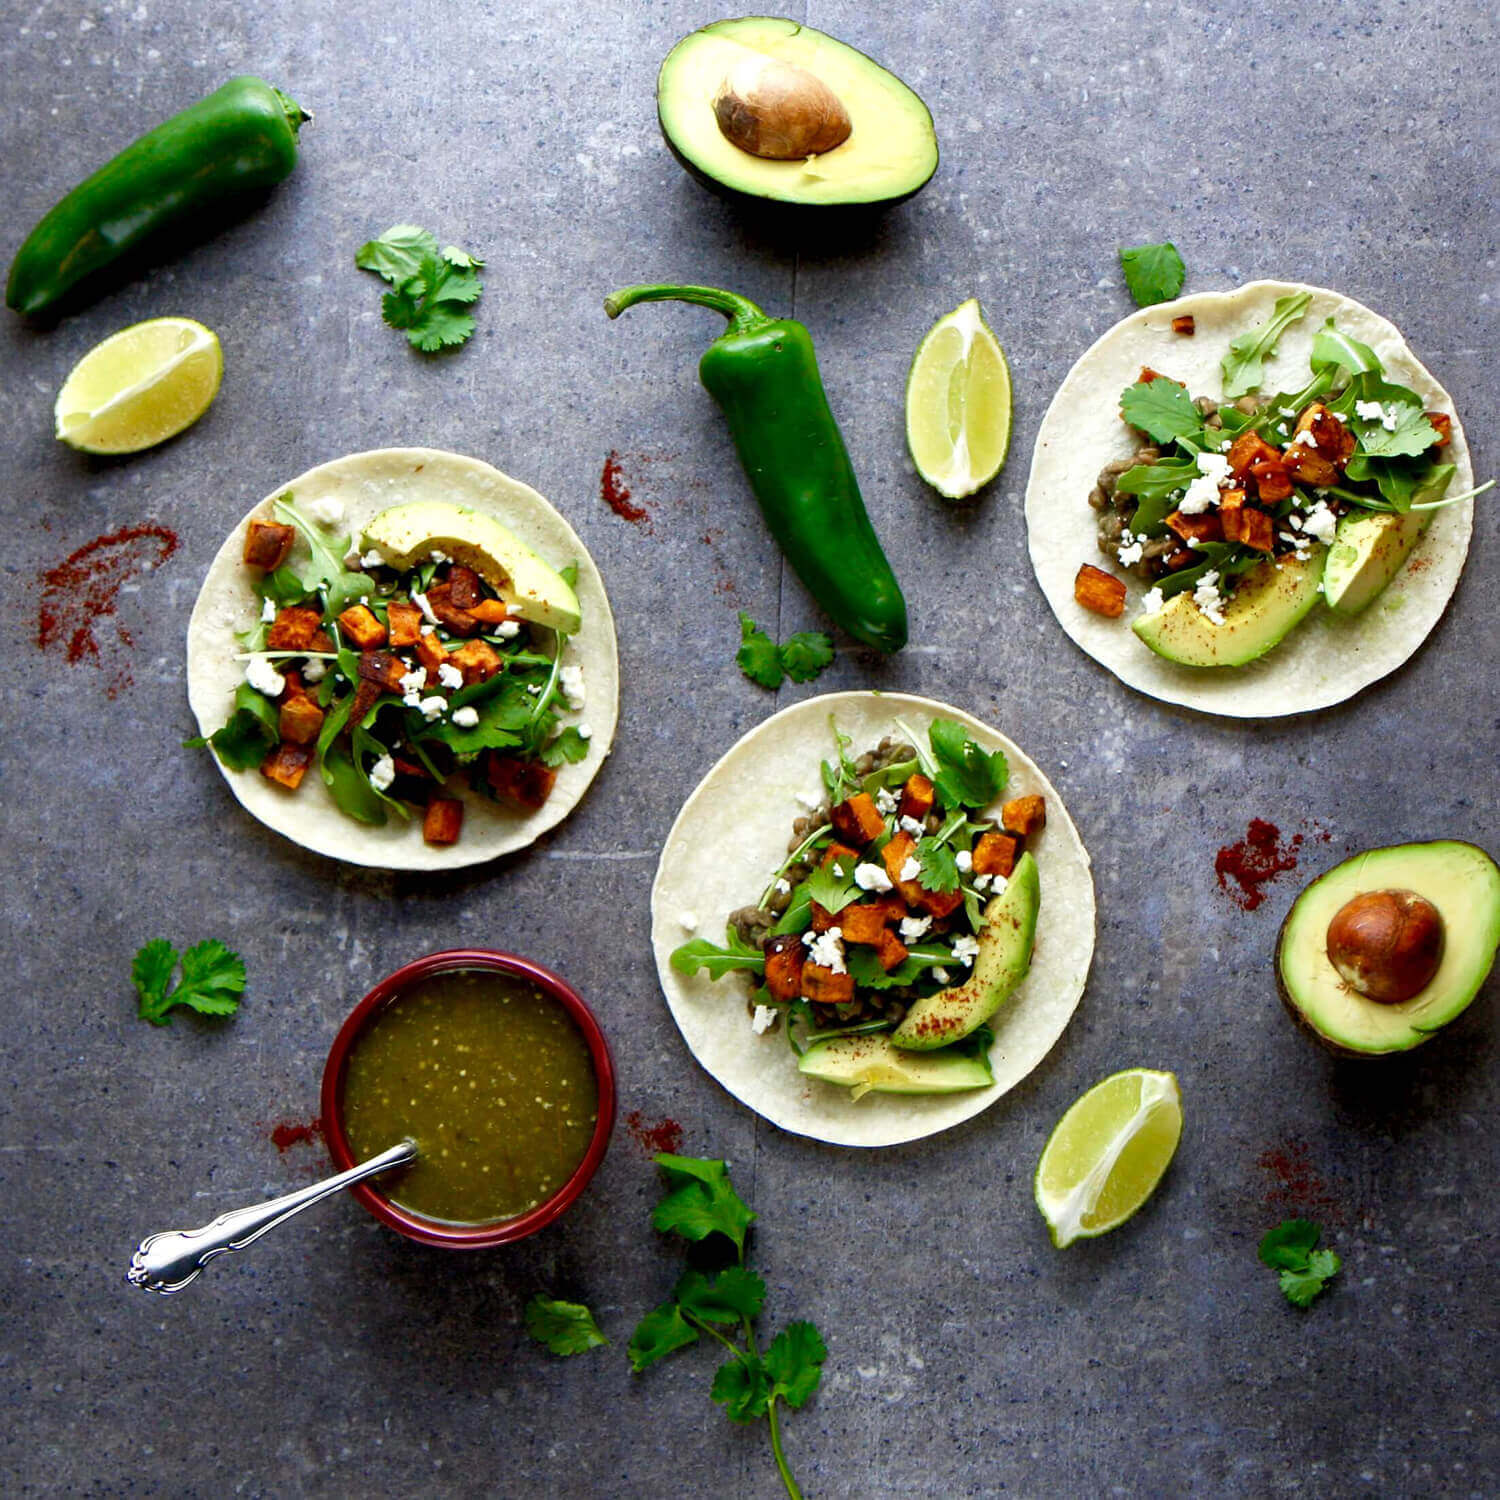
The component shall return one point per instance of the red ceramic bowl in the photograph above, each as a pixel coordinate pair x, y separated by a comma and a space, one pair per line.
435, 1231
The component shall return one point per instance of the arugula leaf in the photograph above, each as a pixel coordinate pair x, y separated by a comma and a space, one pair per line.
661, 1331
350, 788
1163, 410
742, 1387
703, 1203
757, 657
794, 1360
939, 870
832, 891
735, 1294
844, 778
868, 974
251, 733
569, 575
967, 775
703, 954
564, 1327
328, 574
1302, 1271
432, 287
1403, 482
212, 982
798, 914
568, 748
1247, 351
1333, 349
805, 654
1154, 273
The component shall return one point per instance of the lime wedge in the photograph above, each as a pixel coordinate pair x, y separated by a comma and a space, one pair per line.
1107, 1154
140, 386
958, 404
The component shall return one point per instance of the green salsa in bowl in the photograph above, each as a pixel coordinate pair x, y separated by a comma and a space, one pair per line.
499, 1072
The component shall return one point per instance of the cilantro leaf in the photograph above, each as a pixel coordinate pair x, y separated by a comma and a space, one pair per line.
700, 953
757, 657
1154, 273
1300, 1286
1302, 1271
213, 979
794, 1362
735, 1294
1241, 366
432, 287
569, 747
1162, 409
742, 1387
702, 1202
967, 775
805, 654
830, 889
869, 975
397, 254
564, 1327
939, 870
1413, 434
658, 1334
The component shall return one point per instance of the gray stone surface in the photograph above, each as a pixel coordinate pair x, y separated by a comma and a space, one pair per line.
1347, 145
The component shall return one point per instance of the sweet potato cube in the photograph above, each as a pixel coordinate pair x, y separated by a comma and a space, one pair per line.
294, 628
892, 907
857, 820
525, 784
383, 668
892, 952
361, 625
1183, 557
1256, 529
824, 987
941, 903
1272, 482
321, 641
1331, 437
1186, 325
405, 623
1247, 449
287, 764
432, 655
1231, 514
301, 720
995, 854
840, 854
1204, 528
490, 612
895, 854
463, 587
295, 687
863, 924
455, 620
1308, 466
917, 797
1442, 424
366, 695
1024, 815
822, 918
268, 544
443, 820
477, 660
1147, 375
785, 957
1099, 591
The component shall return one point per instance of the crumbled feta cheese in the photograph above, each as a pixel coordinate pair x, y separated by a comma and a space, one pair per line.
1203, 492
267, 611
1306, 438
433, 708
964, 860
428, 629
508, 630
826, 949
1371, 411
982, 882
913, 927
533, 688
314, 670
585, 732
571, 679
914, 826
885, 801
966, 950
438, 557
326, 511
871, 878
264, 678
998, 884
1131, 548
1320, 522
1151, 601
382, 773
911, 869
763, 1019
940, 974
1285, 411
783, 886
420, 600
810, 802
415, 680
1295, 522
688, 921
1208, 599
448, 675
466, 717
374, 558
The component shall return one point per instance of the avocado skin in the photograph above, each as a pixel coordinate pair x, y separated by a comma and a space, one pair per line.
1303, 1021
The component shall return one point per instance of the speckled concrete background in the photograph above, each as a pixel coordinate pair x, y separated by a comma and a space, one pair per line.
1348, 145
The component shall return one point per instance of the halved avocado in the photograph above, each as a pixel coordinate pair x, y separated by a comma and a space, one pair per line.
1458, 879
870, 1065
891, 150
1368, 550
1267, 602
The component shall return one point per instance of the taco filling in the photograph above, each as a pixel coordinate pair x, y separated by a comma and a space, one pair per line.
900, 920
395, 672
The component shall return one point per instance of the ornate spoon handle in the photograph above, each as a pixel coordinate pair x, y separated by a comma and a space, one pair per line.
167, 1262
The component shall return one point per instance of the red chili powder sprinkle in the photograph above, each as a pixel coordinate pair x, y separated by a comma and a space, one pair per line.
664, 1135
85, 588
615, 494
289, 1133
1257, 858
1294, 1186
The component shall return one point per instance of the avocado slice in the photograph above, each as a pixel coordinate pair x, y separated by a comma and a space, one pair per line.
870, 1065
1004, 957
1368, 550
406, 535
1460, 880
1267, 602
891, 149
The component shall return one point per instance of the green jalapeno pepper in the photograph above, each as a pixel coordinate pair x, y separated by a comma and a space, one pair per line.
241, 138
764, 375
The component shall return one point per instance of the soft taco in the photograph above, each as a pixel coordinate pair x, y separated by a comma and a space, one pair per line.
872, 918
405, 659
1250, 503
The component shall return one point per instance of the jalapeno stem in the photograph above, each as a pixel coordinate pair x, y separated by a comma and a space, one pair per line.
294, 112
742, 313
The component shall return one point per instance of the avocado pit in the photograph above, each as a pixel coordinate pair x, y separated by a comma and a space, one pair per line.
779, 111
1386, 944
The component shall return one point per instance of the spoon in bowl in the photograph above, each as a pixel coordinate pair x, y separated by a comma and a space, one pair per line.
169, 1261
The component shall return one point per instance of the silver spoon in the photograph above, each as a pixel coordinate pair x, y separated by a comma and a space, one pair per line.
167, 1262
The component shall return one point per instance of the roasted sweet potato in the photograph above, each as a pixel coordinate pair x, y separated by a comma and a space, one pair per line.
892, 952
455, 620
1442, 424
1231, 514
785, 957
842, 854
1024, 815
822, 918
895, 854
862, 924
360, 624
405, 623
287, 764
383, 667
1333, 439
995, 854
525, 784
294, 688
443, 820
857, 820
268, 544
1272, 482
463, 587
294, 628
365, 695
1185, 325
1204, 528
1147, 375
824, 987
301, 720
1308, 466
432, 654
1247, 449
477, 660
941, 904
917, 797
490, 612
1099, 591
1256, 529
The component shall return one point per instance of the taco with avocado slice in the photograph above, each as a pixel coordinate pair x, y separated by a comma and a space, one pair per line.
872, 918
404, 659
1250, 503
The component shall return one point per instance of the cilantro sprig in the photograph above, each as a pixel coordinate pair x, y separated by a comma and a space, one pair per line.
1153, 273
212, 981
1302, 1270
801, 656
700, 1204
434, 290
564, 1327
